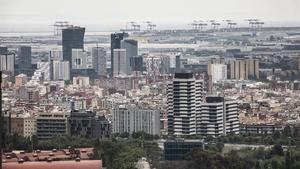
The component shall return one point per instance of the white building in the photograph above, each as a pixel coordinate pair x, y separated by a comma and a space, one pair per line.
7, 62
218, 117
218, 72
131, 118
184, 101
61, 70
121, 64
81, 59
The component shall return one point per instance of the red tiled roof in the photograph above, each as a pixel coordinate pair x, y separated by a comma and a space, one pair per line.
83, 164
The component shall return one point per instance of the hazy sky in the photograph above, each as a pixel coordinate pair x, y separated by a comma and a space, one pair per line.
118, 12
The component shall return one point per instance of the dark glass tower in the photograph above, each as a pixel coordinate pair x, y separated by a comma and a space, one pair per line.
23, 61
115, 43
72, 38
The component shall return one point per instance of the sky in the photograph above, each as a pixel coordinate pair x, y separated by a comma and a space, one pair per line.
115, 13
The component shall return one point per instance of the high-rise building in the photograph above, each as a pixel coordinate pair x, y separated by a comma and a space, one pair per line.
244, 69
133, 118
23, 61
218, 72
218, 117
184, 101
7, 62
136, 64
61, 70
131, 47
81, 59
72, 38
99, 61
214, 61
121, 63
115, 43
177, 64
253, 65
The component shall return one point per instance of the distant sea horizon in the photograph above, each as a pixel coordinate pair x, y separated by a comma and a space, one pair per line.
94, 29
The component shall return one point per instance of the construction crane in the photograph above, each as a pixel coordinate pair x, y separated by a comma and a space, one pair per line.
150, 25
230, 24
255, 24
214, 24
198, 25
59, 26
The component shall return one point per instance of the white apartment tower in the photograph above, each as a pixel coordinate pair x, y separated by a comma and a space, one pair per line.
218, 117
184, 102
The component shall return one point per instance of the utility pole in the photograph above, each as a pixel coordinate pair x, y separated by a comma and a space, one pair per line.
1, 121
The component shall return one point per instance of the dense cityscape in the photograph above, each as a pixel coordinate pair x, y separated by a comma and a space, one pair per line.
218, 94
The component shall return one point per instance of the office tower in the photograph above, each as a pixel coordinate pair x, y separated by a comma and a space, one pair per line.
218, 72
99, 61
21, 80
218, 117
184, 98
72, 38
115, 43
23, 61
121, 63
133, 118
7, 63
52, 124
244, 69
177, 64
131, 47
3, 50
61, 70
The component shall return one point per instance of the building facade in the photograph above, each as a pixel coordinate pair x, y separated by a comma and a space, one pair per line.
133, 118
99, 61
218, 117
72, 38
52, 124
184, 100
